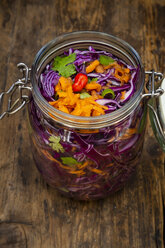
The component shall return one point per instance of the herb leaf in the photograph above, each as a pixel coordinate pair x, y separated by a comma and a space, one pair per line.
55, 143
63, 65
105, 60
69, 161
84, 95
94, 79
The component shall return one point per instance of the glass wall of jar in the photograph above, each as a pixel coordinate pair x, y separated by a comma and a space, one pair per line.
86, 157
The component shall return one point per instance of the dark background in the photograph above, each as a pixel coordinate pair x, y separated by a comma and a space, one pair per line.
32, 214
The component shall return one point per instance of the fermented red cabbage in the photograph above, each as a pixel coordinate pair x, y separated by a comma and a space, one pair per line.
88, 163
117, 76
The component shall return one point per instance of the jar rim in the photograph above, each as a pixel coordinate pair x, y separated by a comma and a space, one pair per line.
85, 37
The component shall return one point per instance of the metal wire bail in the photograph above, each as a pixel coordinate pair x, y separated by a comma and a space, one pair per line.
153, 76
16, 88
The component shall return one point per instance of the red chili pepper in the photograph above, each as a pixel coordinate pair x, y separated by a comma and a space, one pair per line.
79, 82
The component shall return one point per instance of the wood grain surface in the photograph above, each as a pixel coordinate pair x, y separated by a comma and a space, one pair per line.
33, 215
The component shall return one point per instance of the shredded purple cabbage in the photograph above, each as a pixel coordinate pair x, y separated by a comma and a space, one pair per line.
111, 156
49, 78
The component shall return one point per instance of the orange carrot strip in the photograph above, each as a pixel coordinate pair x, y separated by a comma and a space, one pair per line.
125, 78
62, 94
77, 110
52, 103
93, 86
127, 70
64, 109
96, 113
122, 95
86, 110
109, 165
58, 87
65, 83
89, 131
129, 132
92, 66
97, 171
49, 156
82, 166
78, 172
98, 109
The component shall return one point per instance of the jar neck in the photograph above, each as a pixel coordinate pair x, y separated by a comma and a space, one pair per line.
82, 40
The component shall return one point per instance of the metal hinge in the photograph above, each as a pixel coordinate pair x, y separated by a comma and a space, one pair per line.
17, 89
150, 86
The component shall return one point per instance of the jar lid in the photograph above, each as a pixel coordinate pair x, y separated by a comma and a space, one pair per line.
157, 116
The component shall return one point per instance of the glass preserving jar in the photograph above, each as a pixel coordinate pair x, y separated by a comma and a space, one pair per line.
86, 157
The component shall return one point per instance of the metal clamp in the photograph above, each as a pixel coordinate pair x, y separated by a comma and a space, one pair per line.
17, 88
153, 108
157, 121
152, 92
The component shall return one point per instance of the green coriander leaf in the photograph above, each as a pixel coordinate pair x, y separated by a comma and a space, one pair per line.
69, 161
64, 60
105, 60
109, 93
84, 95
67, 71
63, 65
55, 143
57, 61
94, 79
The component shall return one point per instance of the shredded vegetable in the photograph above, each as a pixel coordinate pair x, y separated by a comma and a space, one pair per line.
89, 73
87, 163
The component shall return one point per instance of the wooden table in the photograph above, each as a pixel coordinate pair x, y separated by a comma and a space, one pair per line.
32, 214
